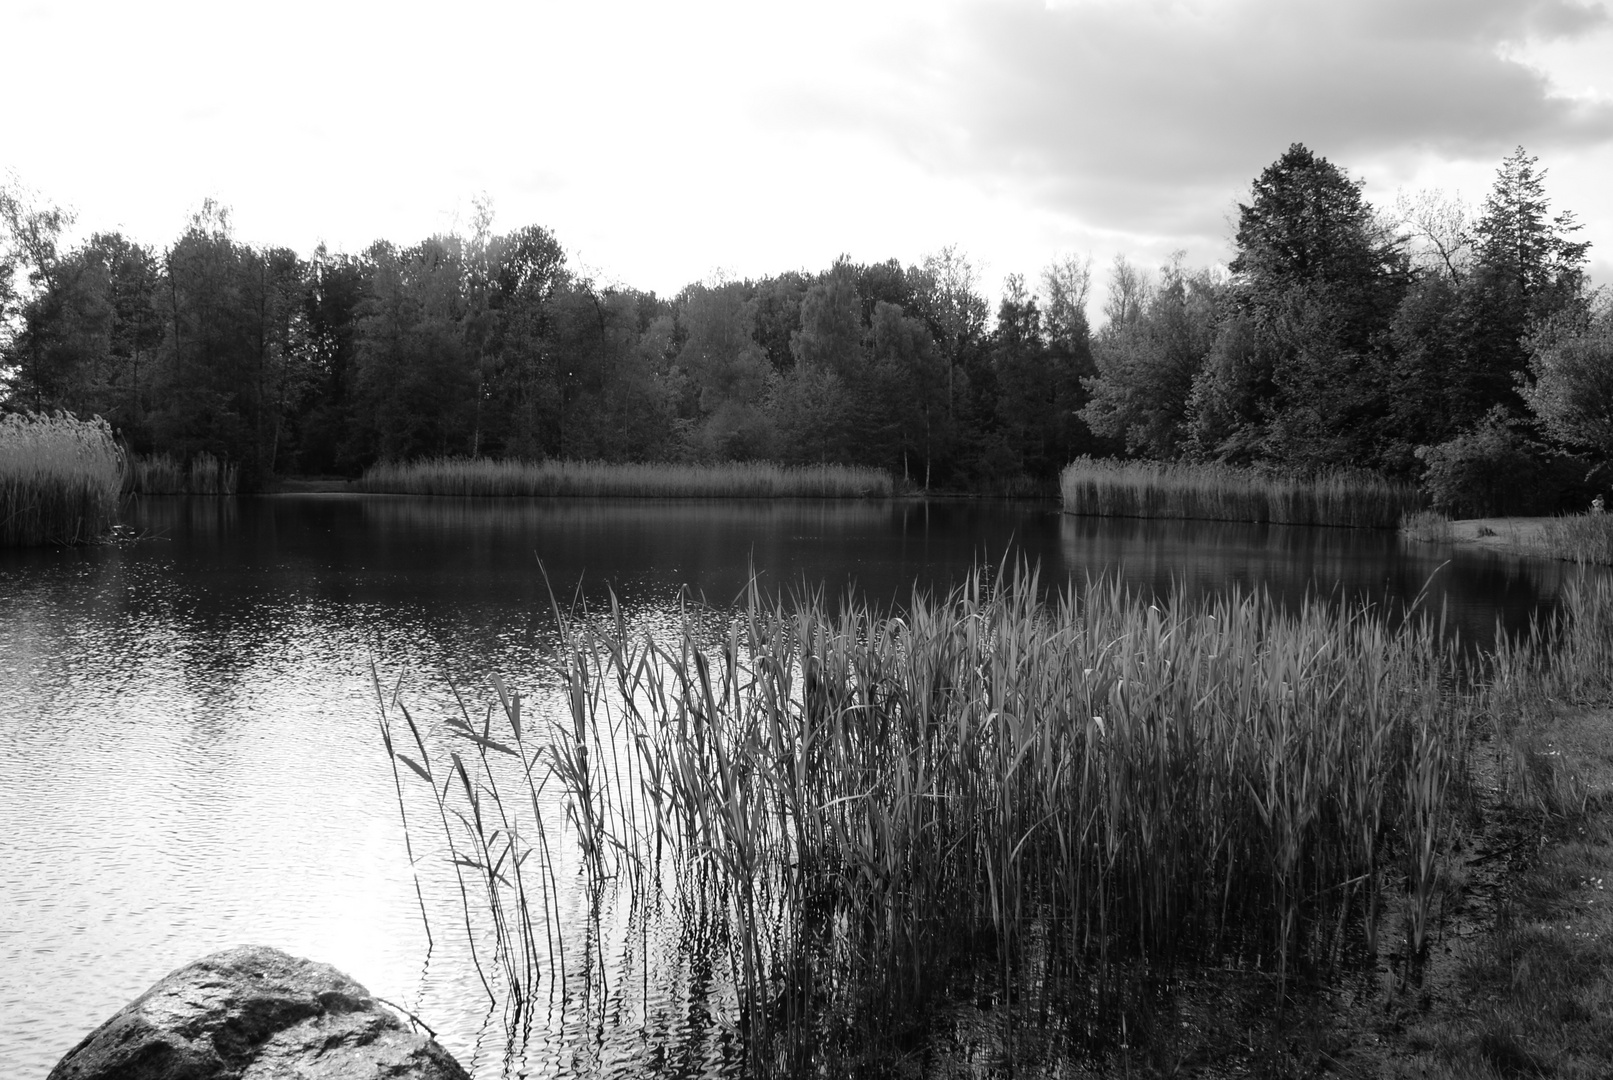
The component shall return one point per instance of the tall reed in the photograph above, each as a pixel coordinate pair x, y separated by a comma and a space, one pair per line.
1059, 796
1347, 497
164, 474
59, 479
747, 479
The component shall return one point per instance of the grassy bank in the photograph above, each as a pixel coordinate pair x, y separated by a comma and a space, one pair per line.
1109, 488
164, 474
59, 479
752, 479
1581, 538
1061, 805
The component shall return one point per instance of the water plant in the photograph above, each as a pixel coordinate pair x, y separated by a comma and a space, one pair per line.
1051, 802
164, 474
1215, 492
59, 479
737, 479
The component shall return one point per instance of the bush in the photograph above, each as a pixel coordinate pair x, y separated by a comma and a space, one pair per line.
1487, 471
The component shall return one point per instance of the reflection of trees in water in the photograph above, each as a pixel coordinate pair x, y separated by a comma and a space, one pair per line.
1473, 588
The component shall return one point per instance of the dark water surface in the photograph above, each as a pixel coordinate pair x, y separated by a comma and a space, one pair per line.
188, 747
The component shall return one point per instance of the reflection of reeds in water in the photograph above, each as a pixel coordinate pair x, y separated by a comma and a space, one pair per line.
747, 479
164, 474
480, 516
1109, 488
215, 519
59, 479
1057, 800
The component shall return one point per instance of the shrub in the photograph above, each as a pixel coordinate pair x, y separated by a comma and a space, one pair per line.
1487, 471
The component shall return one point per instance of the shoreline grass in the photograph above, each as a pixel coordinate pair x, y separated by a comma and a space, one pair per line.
749, 480
1354, 499
60, 478
1427, 527
1070, 800
1586, 539
164, 474
1582, 538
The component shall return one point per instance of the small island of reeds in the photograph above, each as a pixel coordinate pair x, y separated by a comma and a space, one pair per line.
1215, 492
60, 478
665, 480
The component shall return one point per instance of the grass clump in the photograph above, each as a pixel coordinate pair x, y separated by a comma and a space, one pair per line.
747, 479
1427, 527
1213, 492
164, 474
1051, 804
60, 478
1583, 538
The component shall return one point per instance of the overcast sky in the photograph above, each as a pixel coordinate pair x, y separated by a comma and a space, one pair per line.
666, 142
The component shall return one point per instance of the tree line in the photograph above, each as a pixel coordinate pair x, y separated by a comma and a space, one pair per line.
1422, 342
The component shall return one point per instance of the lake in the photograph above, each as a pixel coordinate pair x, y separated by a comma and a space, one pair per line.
188, 738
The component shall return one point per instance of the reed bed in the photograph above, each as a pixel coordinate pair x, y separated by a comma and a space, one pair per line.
1582, 538
1049, 802
164, 474
1211, 492
1427, 527
747, 479
60, 478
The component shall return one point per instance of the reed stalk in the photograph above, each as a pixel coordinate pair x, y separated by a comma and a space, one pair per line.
60, 478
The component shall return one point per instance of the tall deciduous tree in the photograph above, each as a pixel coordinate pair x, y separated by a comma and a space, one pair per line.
1570, 389
1149, 353
730, 371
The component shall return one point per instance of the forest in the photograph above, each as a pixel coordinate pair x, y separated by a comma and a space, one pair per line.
1459, 347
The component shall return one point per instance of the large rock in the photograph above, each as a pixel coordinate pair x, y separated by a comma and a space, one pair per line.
256, 1014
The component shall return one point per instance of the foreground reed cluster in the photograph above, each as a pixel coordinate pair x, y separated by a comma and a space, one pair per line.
59, 479
164, 474
748, 479
1351, 498
1049, 803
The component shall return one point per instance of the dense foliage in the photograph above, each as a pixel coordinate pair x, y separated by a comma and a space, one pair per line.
1338, 336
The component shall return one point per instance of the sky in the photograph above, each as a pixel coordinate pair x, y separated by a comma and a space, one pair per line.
666, 143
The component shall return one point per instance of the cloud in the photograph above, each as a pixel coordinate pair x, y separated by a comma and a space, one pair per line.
1148, 117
